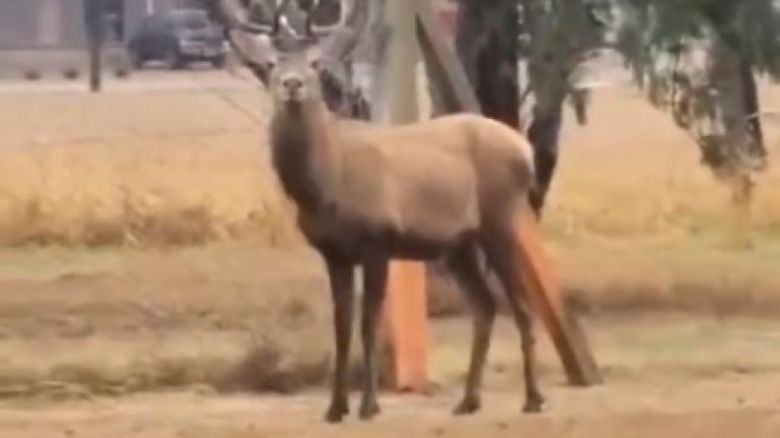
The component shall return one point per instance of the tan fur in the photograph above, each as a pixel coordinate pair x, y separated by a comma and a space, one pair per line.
447, 188
439, 178
435, 180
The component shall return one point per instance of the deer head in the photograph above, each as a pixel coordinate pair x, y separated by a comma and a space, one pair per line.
296, 65
295, 78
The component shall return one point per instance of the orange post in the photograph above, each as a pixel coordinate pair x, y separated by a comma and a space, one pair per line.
407, 326
541, 286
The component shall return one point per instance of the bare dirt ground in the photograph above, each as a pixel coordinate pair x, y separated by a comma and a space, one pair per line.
666, 376
647, 409
150, 285
75, 336
230, 340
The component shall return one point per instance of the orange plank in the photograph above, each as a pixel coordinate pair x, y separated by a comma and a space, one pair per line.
541, 285
407, 323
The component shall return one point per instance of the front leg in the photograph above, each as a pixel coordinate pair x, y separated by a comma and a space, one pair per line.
341, 276
375, 282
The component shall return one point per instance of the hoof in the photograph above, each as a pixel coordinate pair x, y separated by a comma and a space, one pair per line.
336, 412
534, 406
369, 410
467, 406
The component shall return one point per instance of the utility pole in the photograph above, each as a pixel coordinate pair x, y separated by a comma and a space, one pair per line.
93, 24
396, 102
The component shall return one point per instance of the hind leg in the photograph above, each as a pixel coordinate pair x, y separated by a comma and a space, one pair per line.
502, 257
464, 265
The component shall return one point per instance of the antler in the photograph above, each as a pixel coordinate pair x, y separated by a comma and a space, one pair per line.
238, 28
227, 12
336, 51
342, 38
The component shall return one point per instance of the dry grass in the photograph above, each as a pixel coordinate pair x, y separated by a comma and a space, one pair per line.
636, 222
159, 168
118, 367
633, 218
178, 167
234, 318
631, 174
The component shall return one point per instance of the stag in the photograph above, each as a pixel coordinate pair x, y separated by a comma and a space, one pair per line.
449, 189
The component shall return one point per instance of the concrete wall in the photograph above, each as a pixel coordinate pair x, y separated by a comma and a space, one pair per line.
73, 24
47, 36
44, 24
18, 23
48, 24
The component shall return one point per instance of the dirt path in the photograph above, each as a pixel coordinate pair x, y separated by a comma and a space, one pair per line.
125, 321
726, 406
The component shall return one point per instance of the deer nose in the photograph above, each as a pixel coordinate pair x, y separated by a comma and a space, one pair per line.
292, 84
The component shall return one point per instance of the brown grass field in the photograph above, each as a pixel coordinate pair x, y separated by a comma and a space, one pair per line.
151, 282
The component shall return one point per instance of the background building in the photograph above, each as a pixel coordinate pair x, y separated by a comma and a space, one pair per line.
59, 24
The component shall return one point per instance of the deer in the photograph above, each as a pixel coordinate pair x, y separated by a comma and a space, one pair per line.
448, 189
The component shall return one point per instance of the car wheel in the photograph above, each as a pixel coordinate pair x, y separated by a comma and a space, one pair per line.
173, 60
136, 60
219, 61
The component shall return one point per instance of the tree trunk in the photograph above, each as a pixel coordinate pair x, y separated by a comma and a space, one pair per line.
736, 146
730, 135
486, 42
560, 34
548, 79
544, 135
753, 108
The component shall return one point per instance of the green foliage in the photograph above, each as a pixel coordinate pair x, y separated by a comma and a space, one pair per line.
561, 36
751, 27
699, 58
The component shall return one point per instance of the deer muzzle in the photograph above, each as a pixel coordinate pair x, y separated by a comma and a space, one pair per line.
293, 87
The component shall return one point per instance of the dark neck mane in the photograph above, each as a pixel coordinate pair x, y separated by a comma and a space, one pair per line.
303, 153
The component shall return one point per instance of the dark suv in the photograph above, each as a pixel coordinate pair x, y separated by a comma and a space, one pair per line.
177, 38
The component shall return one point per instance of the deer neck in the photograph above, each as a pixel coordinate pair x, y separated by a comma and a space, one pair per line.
304, 153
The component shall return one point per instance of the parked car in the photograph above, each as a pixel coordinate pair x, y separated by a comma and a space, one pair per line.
177, 38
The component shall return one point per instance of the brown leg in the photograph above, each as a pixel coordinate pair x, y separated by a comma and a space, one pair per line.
375, 283
502, 257
465, 267
340, 273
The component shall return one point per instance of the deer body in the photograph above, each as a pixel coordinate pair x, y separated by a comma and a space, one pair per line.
448, 188
362, 189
